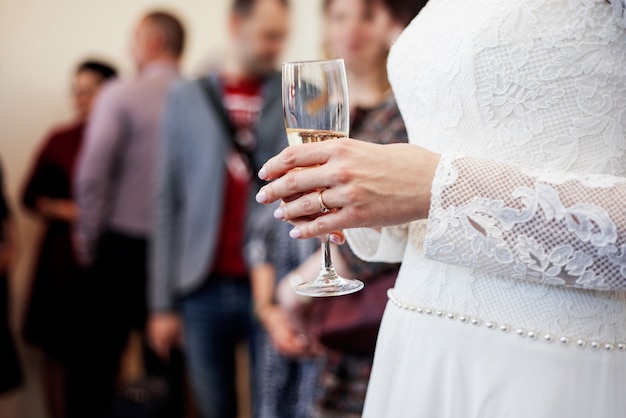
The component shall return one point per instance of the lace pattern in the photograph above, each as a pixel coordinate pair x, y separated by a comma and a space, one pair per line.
567, 233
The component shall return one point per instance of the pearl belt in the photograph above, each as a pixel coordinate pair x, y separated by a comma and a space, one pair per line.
505, 328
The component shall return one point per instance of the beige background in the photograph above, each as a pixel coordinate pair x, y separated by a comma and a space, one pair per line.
40, 43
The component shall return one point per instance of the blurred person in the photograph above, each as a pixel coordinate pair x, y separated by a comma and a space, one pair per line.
506, 209
361, 32
48, 195
11, 371
288, 361
114, 188
218, 129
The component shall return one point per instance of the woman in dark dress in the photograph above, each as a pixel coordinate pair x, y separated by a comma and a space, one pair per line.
10, 370
287, 370
48, 195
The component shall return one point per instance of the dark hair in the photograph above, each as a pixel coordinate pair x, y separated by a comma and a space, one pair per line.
172, 29
244, 7
104, 70
403, 11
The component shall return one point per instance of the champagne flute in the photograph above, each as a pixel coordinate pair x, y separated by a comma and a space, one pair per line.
315, 103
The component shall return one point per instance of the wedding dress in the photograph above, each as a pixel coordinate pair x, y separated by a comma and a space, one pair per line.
511, 300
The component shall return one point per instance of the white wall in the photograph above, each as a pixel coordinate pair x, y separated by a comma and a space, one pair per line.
40, 43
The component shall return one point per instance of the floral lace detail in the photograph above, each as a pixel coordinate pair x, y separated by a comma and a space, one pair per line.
528, 228
512, 102
515, 236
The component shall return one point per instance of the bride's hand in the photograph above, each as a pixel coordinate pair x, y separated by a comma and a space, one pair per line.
365, 185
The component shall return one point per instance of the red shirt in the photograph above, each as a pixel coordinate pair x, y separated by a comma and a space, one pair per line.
242, 100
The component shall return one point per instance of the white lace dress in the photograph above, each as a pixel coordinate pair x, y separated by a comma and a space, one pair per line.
511, 300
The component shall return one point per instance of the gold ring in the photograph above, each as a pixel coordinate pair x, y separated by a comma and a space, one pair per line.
323, 207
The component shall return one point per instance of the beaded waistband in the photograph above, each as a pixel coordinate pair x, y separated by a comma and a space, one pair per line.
505, 328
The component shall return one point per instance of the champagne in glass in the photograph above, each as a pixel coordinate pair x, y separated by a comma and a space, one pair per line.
315, 103
307, 136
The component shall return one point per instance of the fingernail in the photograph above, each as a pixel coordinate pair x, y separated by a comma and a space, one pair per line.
295, 233
261, 197
263, 173
335, 239
278, 214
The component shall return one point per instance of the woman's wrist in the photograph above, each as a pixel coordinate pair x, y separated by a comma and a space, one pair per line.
293, 279
266, 313
260, 307
57, 209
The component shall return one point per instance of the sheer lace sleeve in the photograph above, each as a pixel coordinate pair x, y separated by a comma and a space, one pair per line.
385, 245
556, 228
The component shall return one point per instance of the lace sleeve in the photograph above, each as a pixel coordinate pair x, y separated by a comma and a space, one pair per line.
556, 228
385, 245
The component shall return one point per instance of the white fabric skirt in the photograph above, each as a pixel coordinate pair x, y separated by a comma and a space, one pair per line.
432, 367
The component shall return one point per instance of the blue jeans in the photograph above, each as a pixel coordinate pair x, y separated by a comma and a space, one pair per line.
216, 318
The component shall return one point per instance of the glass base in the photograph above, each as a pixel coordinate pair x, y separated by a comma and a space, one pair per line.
329, 284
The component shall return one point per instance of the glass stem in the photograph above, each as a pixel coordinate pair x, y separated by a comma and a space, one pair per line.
328, 271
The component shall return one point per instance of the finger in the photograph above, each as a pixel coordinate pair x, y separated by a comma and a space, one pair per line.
290, 345
310, 206
337, 238
304, 219
306, 155
323, 225
293, 183
294, 347
291, 352
305, 206
292, 198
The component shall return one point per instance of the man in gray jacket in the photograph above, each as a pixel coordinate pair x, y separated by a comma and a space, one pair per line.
217, 132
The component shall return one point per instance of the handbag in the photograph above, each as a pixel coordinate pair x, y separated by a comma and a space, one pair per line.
350, 323
148, 397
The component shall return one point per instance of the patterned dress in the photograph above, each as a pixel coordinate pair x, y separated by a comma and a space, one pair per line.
285, 386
